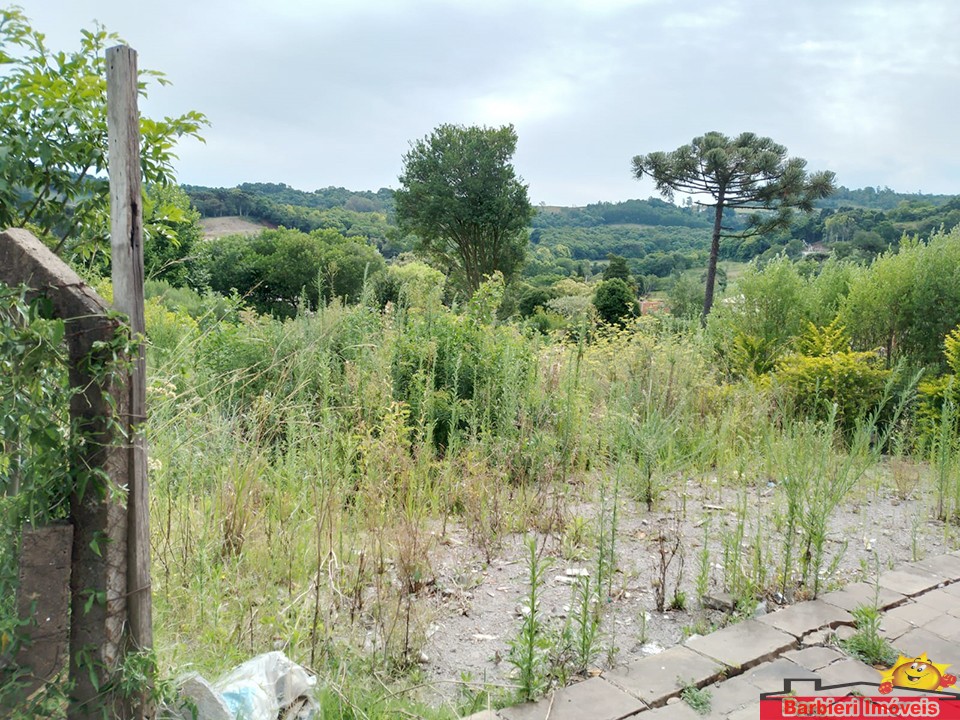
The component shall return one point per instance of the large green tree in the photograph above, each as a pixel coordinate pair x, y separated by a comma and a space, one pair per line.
462, 198
747, 172
53, 136
617, 268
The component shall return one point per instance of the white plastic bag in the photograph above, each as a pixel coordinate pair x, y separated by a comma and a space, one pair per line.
259, 688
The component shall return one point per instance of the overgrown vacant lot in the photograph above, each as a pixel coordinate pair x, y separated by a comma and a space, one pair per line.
385, 489
357, 486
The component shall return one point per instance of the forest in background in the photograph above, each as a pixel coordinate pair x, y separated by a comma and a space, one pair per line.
659, 239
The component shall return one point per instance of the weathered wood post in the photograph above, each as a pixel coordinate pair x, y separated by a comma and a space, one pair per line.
126, 240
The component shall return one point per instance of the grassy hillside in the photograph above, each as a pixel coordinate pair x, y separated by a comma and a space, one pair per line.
215, 227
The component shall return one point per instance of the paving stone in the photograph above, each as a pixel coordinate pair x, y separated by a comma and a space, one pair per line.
680, 711
814, 658
891, 628
844, 632
861, 593
769, 676
848, 671
743, 645
914, 613
819, 637
940, 600
806, 617
594, 698
731, 695
909, 580
945, 626
952, 589
922, 640
747, 713
655, 678
947, 567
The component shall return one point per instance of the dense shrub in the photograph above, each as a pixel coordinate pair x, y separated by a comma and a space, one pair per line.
278, 269
457, 374
907, 301
614, 301
534, 299
773, 305
34, 422
415, 284
752, 329
686, 296
939, 397
242, 360
207, 309
826, 372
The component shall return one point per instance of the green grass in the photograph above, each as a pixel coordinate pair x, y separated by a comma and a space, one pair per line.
866, 643
303, 473
334, 447
697, 698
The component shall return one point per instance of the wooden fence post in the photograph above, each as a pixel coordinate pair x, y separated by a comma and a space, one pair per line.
126, 239
126, 232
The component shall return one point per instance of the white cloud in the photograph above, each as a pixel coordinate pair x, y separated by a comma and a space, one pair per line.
711, 17
329, 92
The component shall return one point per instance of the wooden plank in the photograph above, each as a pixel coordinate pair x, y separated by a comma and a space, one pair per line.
126, 232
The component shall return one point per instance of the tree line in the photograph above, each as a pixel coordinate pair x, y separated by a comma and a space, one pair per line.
460, 203
660, 240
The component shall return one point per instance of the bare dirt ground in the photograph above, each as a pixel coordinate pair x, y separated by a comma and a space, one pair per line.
229, 225
474, 607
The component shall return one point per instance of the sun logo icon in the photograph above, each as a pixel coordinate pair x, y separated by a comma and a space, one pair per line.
916, 674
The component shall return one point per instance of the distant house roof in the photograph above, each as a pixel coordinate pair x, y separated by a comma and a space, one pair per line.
649, 307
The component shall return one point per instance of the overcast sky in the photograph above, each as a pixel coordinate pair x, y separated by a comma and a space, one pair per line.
315, 93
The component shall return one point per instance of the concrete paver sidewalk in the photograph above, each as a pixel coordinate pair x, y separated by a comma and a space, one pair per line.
921, 614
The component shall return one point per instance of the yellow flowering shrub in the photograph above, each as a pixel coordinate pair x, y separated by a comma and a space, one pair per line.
825, 371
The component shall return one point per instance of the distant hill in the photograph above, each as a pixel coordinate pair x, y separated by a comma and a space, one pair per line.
657, 238
351, 213
879, 198
256, 199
